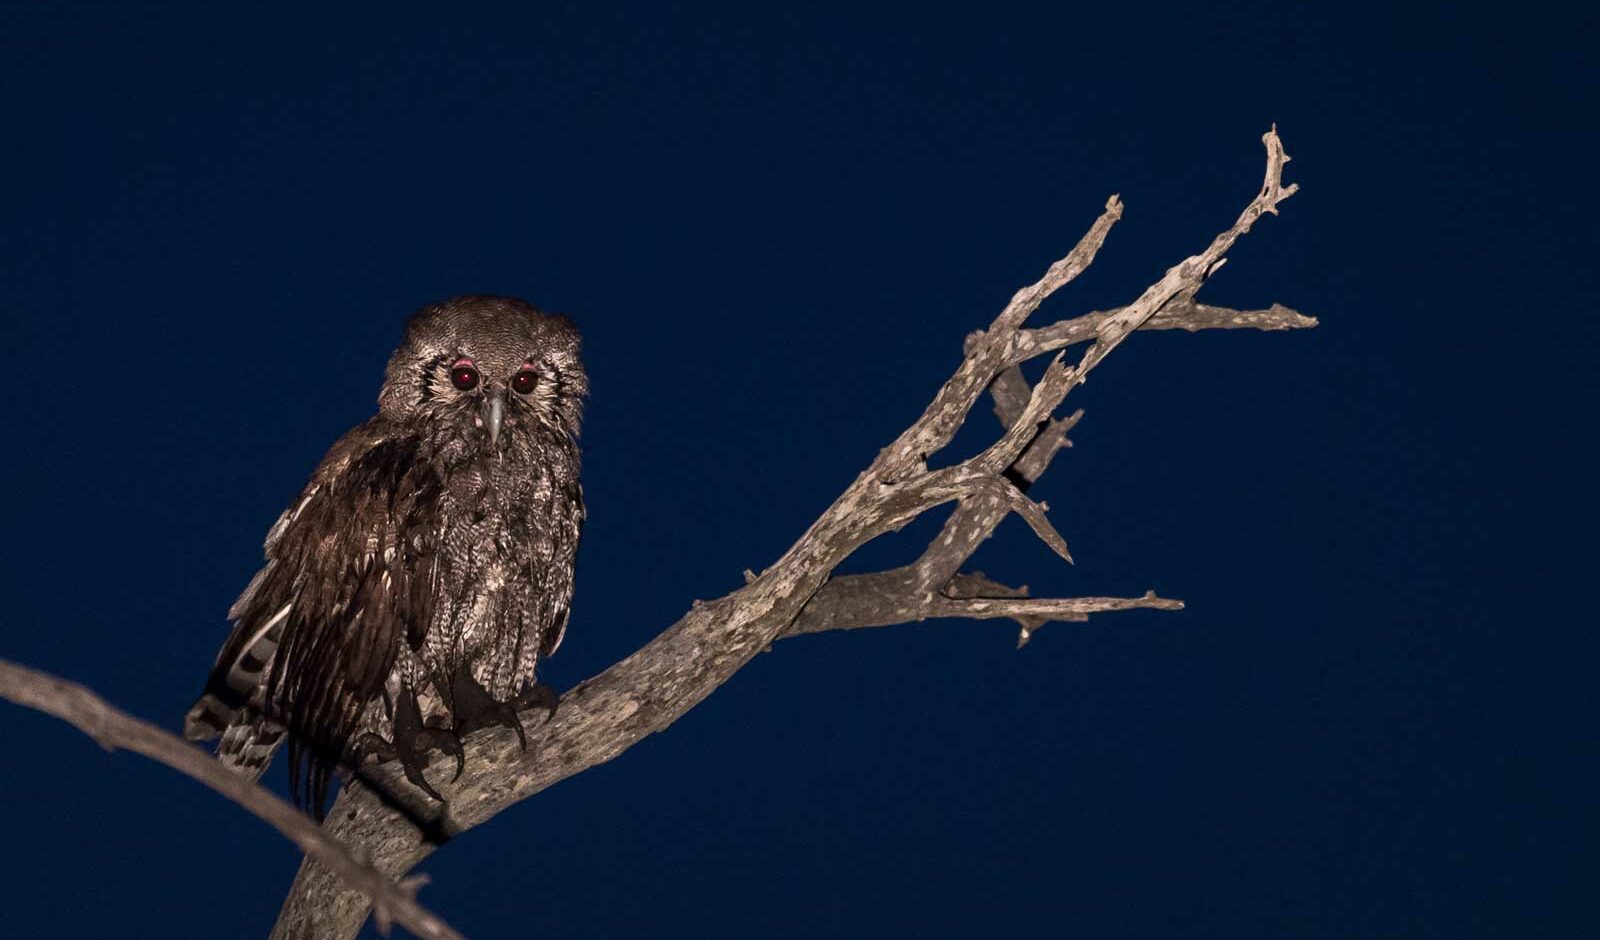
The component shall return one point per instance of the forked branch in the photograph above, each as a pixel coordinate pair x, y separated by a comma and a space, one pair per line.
647, 691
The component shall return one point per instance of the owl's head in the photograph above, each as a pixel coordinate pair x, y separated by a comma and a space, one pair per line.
493, 365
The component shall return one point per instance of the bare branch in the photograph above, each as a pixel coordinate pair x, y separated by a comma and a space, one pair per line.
112, 729
1178, 315
890, 597
949, 408
1047, 608
650, 689
1052, 387
1032, 513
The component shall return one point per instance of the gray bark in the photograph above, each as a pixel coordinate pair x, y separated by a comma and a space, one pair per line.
608, 713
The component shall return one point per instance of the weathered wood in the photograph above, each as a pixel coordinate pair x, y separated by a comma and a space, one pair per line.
646, 692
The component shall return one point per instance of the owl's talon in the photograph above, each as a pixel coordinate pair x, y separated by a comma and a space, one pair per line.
475, 708
445, 741
413, 772
374, 747
538, 696
413, 739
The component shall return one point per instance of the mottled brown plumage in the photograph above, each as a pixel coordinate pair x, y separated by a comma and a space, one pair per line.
411, 589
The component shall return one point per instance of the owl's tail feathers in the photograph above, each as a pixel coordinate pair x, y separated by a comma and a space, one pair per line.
249, 738
230, 705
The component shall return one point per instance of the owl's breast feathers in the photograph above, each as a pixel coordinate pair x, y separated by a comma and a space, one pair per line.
403, 559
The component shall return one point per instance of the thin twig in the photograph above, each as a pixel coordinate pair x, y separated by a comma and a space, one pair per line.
1180, 314
1050, 608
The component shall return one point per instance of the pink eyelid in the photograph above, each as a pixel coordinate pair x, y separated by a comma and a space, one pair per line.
463, 362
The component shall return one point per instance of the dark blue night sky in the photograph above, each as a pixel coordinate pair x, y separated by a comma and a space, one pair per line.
1376, 716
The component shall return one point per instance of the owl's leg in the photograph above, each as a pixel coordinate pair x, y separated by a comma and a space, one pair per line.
413, 739
475, 708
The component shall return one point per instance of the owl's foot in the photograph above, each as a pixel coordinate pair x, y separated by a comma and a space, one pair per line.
413, 739
537, 696
475, 708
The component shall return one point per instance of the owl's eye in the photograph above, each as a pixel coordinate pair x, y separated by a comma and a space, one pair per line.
524, 381
463, 376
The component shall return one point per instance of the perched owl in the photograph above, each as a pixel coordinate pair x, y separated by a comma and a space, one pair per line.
411, 589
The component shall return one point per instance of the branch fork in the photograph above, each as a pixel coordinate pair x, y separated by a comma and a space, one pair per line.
798, 594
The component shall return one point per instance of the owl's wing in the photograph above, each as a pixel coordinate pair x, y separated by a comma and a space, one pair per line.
319, 628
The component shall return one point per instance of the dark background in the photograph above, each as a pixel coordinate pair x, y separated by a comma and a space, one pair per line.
1376, 716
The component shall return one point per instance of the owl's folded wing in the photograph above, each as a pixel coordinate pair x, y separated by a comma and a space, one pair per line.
318, 629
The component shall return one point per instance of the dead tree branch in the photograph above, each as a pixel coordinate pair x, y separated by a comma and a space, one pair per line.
649, 690
113, 729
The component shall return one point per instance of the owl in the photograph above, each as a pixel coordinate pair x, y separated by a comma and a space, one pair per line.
411, 589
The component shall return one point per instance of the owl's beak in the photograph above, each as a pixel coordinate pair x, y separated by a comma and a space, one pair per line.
494, 414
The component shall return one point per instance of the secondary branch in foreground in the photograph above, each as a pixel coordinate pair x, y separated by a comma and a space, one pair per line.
114, 729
